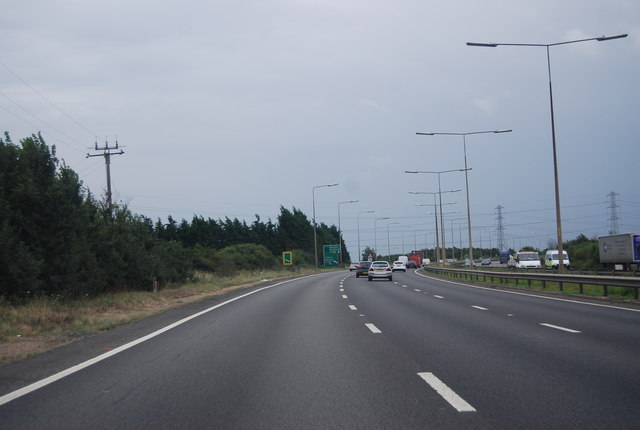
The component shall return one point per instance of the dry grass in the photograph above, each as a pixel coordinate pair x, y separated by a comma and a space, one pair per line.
47, 323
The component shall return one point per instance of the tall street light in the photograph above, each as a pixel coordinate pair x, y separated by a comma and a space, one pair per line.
553, 126
358, 221
466, 176
375, 234
444, 248
315, 237
388, 246
339, 230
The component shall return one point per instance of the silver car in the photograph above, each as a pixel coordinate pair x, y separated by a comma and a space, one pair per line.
380, 269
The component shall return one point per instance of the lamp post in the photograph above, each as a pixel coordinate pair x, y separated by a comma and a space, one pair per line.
340, 231
375, 234
444, 248
388, 245
553, 126
435, 210
315, 237
358, 221
466, 176
442, 230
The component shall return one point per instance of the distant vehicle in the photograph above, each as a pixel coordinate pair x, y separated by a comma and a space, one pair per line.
380, 269
552, 261
511, 264
404, 259
398, 265
486, 262
412, 265
504, 257
363, 268
620, 251
528, 260
425, 262
416, 256
353, 266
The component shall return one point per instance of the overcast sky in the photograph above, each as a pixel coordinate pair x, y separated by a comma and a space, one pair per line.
234, 108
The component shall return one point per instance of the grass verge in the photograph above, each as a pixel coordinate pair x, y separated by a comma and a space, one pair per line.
46, 323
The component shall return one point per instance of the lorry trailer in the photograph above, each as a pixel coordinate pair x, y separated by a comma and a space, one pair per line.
620, 251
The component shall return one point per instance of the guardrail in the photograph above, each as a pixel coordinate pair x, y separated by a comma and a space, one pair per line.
560, 279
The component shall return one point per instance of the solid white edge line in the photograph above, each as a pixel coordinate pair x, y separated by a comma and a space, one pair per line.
373, 328
53, 378
528, 294
557, 327
447, 393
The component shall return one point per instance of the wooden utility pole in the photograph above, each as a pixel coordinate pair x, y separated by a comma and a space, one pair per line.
107, 153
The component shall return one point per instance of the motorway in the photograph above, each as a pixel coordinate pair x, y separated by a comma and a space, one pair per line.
332, 351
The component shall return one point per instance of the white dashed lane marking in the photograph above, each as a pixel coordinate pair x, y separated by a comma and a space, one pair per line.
560, 328
447, 393
373, 328
480, 308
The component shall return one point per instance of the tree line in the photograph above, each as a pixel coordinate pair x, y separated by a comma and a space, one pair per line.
58, 239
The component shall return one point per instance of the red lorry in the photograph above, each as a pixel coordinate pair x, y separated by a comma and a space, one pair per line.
416, 257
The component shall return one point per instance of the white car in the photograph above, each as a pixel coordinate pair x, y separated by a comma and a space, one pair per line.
380, 269
353, 266
399, 265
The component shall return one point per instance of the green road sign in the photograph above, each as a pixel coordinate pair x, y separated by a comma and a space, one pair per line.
331, 255
287, 258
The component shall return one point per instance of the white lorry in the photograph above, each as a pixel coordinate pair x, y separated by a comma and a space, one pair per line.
528, 260
620, 251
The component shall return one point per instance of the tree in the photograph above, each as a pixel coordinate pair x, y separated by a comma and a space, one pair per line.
368, 251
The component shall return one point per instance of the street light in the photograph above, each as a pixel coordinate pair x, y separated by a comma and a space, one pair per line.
358, 221
388, 246
435, 210
340, 231
466, 176
315, 237
553, 126
375, 235
444, 248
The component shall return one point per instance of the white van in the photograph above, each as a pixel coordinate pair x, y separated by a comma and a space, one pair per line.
528, 260
425, 262
551, 260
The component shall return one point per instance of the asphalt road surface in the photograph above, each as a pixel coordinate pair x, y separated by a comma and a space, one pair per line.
332, 351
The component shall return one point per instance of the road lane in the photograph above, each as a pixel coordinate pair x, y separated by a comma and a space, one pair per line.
295, 356
501, 360
333, 351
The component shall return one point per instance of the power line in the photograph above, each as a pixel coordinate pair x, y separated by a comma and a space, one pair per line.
47, 100
42, 121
